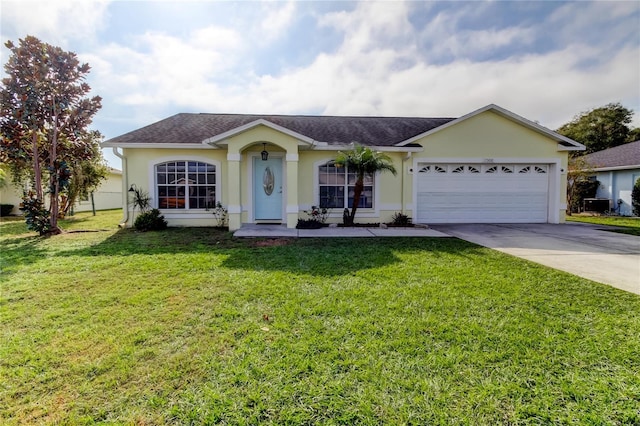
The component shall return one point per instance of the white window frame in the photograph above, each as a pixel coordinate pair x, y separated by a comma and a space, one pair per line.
365, 212
176, 213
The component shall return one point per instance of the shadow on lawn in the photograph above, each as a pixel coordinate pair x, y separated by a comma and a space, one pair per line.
19, 251
318, 257
127, 242
321, 257
13, 227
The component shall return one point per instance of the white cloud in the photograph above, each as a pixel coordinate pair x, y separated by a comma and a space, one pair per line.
444, 37
54, 21
360, 77
380, 68
579, 17
547, 88
470, 42
370, 25
216, 38
276, 21
159, 69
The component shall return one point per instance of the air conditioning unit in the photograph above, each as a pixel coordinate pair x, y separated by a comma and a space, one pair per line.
597, 205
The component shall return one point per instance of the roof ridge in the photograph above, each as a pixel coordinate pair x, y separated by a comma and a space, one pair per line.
318, 116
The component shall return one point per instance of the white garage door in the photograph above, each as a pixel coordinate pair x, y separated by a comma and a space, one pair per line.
482, 193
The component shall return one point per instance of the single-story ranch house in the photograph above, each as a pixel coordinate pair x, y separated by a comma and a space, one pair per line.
617, 169
490, 165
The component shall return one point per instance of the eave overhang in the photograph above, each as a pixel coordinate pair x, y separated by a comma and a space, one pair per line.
614, 168
157, 145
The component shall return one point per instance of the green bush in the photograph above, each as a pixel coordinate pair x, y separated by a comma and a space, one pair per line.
319, 214
5, 209
221, 214
400, 219
308, 224
635, 198
150, 221
317, 217
584, 189
36, 216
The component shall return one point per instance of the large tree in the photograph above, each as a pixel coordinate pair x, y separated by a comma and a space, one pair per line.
634, 135
45, 117
363, 161
580, 183
601, 128
635, 198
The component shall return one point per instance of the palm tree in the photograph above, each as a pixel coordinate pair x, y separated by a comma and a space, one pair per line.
364, 162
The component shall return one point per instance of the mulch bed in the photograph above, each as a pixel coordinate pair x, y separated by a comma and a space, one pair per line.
273, 242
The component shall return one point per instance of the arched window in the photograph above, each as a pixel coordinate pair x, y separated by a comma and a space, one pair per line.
185, 185
337, 186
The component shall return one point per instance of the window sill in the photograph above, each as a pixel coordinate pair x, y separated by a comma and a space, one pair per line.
191, 214
362, 212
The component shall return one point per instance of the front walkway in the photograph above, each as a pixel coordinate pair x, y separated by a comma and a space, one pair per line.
280, 231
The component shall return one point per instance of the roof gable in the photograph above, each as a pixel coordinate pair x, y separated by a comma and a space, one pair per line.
565, 143
221, 138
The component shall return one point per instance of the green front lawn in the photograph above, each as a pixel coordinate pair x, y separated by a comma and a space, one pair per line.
191, 326
624, 225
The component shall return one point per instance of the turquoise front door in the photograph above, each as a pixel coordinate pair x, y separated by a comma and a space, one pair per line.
267, 189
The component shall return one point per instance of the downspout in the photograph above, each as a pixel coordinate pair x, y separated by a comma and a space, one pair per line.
612, 192
404, 160
125, 186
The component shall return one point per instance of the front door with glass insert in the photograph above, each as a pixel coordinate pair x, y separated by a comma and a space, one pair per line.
267, 189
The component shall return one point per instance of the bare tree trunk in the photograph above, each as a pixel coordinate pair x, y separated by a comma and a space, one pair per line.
357, 193
36, 168
73, 192
54, 177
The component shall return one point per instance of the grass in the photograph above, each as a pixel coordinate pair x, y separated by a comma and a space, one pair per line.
191, 326
621, 224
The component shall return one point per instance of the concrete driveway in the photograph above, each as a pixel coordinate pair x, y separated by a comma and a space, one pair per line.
580, 249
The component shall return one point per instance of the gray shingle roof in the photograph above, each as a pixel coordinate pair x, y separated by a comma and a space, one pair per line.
333, 130
619, 156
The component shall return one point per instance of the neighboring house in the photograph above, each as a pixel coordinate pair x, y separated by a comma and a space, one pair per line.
488, 166
107, 196
9, 194
617, 169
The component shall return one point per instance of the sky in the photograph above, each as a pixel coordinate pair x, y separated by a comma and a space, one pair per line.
547, 61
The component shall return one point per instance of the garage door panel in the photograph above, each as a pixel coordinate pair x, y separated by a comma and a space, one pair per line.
481, 183
483, 197
480, 199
